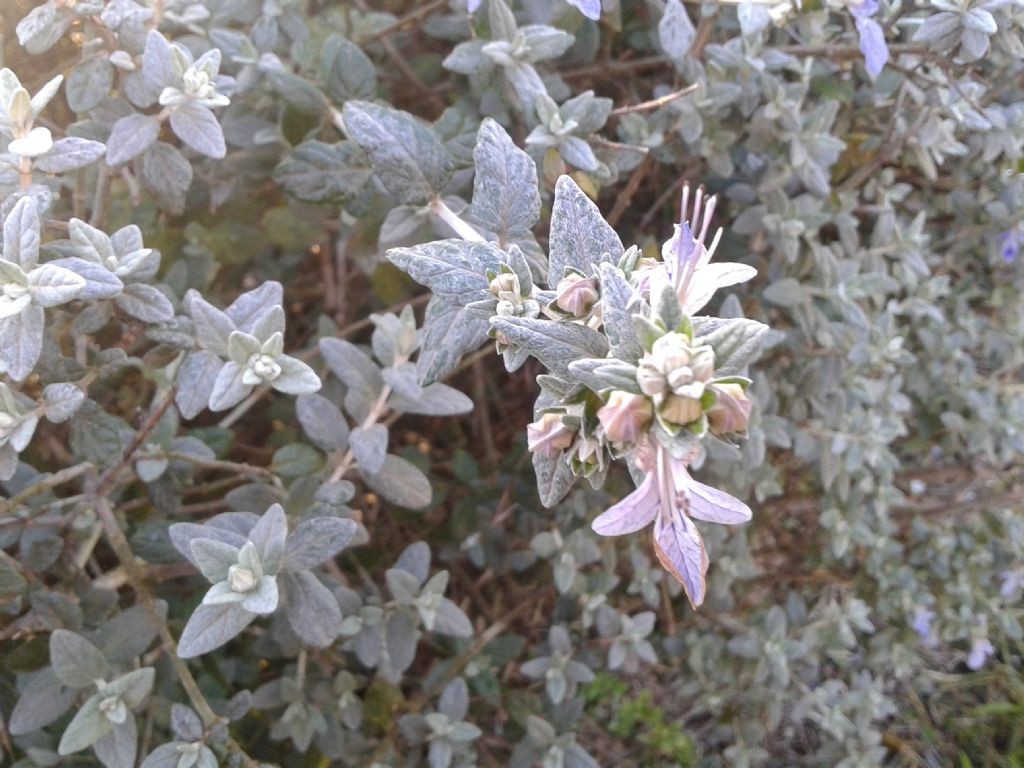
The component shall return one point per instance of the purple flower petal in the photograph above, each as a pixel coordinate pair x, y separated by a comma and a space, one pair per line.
981, 649
872, 45
589, 8
715, 506
473, 5
680, 548
634, 512
864, 9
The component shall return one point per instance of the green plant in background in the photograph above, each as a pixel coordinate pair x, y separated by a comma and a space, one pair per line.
264, 501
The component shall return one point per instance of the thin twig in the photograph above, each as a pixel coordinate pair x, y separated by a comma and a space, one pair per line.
647, 106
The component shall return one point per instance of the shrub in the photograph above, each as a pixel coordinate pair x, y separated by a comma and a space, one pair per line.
267, 500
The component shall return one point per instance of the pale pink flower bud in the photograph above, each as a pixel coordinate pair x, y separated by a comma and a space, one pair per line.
679, 409
702, 363
625, 417
670, 352
576, 295
505, 283
650, 379
731, 410
548, 435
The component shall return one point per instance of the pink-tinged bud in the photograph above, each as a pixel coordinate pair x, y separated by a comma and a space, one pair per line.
576, 295
702, 363
625, 417
731, 410
548, 436
679, 409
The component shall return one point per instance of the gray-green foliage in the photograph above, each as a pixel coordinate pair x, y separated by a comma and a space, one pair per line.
291, 488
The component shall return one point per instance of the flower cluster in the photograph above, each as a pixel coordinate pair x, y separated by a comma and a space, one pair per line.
661, 388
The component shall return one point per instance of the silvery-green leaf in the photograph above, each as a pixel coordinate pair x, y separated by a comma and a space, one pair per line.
296, 378
214, 558
346, 72
269, 536
157, 66
554, 478
21, 234
43, 27
370, 446
451, 620
149, 470
76, 662
118, 747
580, 237
785, 292
100, 282
43, 700
415, 559
61, 401
311, 609
434, 400
554, 344
736, 341
213, 327
198, 128
401, 638
11, 581
617, 308
502, 20
245, 311
183, 534
544, 42
297, 460
676, 32
350, 364
89, 83
440, 753
449, 332
403, 586
467, 58
129, 633
164, 756
186, 723
166, 172
87, 727
401, 483
196, 378
21, 342
51, 286
407, 155
145, 302
210, 627
454, 701
505, 196
454, 269
130, 137
322, 422
316, 540
228, 388
317, 172
133, 686
601, 374
578, 154
69, 154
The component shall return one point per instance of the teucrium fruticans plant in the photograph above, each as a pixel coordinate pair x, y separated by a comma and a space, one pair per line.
261, 494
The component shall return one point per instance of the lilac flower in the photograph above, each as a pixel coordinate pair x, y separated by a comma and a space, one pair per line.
1009, 244
1013, 580
872, 37
589, 8
685, 257
981, 649
670, 498
473, 6
922, 624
